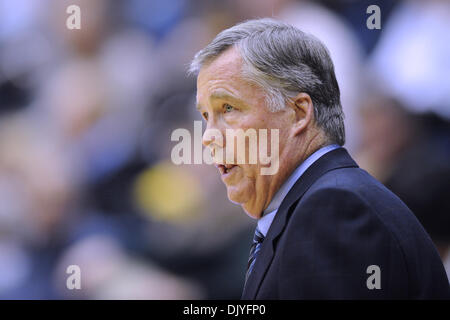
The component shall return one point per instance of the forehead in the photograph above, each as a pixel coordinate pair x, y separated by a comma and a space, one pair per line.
227, 64
224, 76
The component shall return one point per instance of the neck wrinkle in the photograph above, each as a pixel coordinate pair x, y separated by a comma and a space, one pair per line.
314, 144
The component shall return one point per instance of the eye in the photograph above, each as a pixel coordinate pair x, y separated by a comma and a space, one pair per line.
205, 115
228, 108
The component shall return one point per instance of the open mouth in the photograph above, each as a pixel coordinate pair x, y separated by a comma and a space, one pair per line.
225, 169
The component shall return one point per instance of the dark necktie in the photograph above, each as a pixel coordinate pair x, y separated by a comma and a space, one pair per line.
258, 238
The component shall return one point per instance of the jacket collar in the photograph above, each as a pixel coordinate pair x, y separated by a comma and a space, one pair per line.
338, 158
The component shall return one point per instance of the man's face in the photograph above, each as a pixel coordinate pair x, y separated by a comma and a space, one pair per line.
229, 102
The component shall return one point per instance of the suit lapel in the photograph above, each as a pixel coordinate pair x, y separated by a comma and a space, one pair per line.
338, 158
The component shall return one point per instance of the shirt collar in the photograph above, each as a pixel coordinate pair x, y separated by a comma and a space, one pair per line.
266, 220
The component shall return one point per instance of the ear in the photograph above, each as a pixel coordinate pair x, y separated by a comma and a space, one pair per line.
304, 112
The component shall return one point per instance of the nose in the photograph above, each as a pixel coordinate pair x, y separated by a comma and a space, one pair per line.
209, 136
207, 139
213, 138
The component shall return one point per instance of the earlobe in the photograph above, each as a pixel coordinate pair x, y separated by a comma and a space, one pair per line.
303, 110
299, 127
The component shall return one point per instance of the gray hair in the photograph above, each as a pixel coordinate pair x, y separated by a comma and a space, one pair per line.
284, 61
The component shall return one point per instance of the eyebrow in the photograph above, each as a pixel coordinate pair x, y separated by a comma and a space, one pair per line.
220, 94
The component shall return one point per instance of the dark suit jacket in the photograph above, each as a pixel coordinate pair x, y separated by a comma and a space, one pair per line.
334, 223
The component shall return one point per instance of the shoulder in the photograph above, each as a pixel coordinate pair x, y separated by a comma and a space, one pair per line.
350, 201
354, 191
334, 236
349, 221
352, 197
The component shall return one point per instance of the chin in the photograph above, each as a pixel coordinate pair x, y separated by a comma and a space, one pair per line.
243, 194
251, 213
245, 202
235, 196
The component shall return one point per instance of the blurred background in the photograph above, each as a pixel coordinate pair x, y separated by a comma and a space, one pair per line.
85, 123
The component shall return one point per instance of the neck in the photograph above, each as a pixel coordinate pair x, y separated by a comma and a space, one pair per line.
291, 159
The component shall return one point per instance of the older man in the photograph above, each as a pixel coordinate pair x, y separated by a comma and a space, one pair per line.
326, 229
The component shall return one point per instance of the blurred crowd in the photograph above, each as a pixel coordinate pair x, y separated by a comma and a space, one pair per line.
86, 117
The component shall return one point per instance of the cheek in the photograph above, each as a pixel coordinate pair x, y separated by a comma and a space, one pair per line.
243, 190
250, 171
245, 183
250, 188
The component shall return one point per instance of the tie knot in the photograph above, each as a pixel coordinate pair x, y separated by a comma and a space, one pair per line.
258, 237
